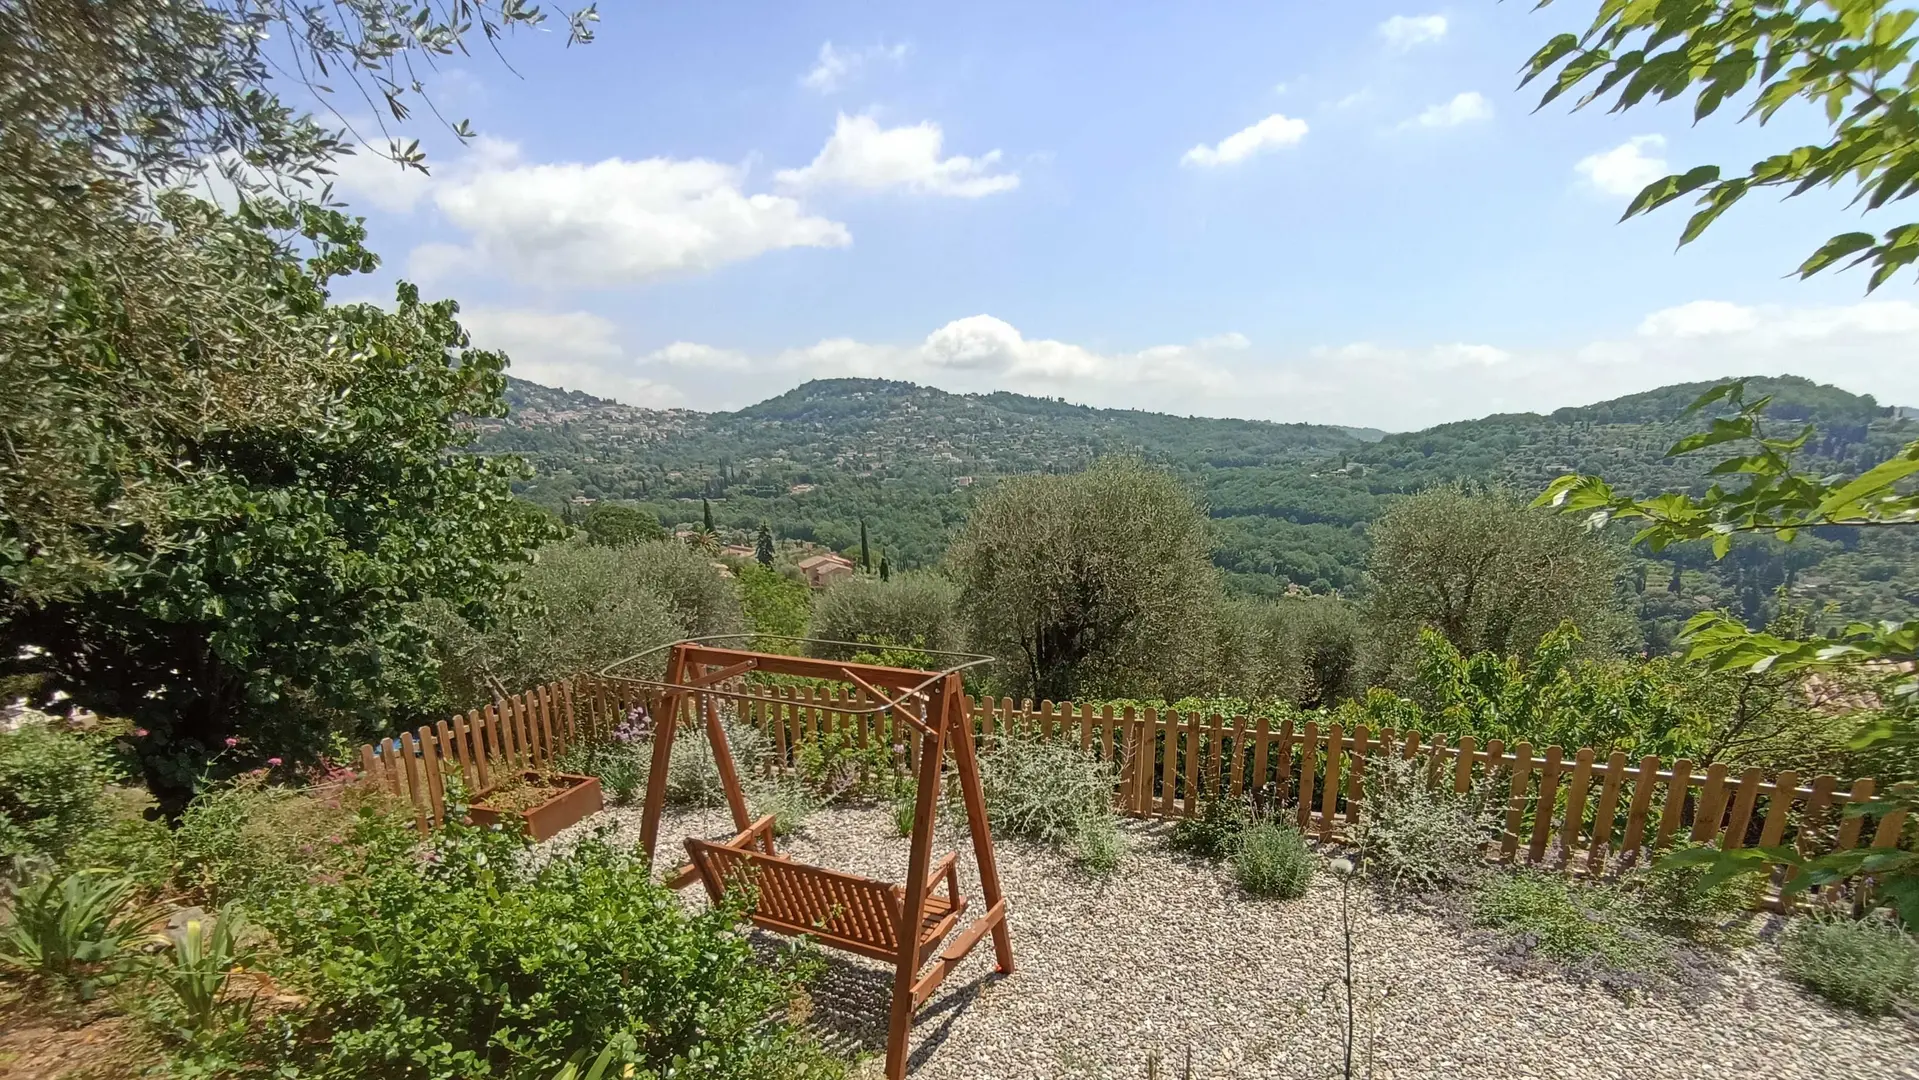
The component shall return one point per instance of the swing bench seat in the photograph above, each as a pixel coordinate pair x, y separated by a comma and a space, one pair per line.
858, 914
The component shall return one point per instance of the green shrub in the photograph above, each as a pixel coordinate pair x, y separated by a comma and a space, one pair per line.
1044, 791
837, 766
1213, 833
1866, 964
463, 964
905, 807
692, 777
249, 841
790, 804
200, 957
71, 933
620, 764
1587, 927
127, 838
1272, 861
1420, 836
1676, 900
52, 785
1098, 847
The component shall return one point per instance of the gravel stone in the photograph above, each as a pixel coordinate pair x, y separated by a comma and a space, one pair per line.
1169, 958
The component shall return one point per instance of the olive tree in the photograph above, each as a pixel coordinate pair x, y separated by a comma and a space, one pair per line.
1488, 574
1306, 651
1097, 583
917, 610
584, 606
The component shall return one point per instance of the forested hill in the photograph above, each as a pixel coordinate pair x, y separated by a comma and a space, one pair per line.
1290, 501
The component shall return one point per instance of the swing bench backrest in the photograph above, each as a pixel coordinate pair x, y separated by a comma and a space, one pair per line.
846, 911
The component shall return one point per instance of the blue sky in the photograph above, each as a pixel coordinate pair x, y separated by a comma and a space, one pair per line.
1340, 213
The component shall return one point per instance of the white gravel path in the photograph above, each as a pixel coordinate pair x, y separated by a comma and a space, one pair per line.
1169, 958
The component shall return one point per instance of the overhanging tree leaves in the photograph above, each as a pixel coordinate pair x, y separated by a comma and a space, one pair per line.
221, 497
1850, 59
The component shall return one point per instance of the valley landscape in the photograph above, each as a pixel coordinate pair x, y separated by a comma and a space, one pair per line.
386, 694
1288, 503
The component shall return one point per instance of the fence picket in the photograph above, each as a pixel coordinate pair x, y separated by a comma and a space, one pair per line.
1354, 775
1890, 826
1329, 783
1194, 735
450, 746
1599, 847
1672, 815
1735, 836
435, 783
1238, 780
1463, 765
1548, 799
1785, 790
1516, 801
1575, 823
1308, 765
1711, 810
1643, 785
415, 790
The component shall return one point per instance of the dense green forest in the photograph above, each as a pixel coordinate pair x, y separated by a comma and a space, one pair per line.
1289, 503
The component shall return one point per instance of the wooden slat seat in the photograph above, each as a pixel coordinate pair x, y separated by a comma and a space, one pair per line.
846, 911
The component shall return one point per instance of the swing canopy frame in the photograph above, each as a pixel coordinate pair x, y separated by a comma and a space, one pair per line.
903, 924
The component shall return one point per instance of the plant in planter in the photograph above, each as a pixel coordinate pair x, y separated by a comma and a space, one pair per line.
546, 801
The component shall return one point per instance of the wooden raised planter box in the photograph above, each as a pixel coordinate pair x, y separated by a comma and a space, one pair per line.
574, 798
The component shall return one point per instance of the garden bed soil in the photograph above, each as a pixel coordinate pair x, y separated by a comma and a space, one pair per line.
576, 797
1168, 957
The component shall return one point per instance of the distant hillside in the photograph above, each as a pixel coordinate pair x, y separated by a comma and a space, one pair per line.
1290, 501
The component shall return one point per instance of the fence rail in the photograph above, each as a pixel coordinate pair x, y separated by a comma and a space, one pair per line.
1578, 810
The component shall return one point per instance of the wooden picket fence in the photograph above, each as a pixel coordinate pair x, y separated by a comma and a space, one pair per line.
1578, 811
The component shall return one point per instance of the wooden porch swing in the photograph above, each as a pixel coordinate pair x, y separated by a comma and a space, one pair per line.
902, 924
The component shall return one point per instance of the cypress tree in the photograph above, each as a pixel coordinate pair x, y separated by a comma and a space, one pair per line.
883, 574
866, 555
763, 547
706, 515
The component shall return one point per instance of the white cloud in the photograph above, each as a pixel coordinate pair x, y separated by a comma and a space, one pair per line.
1228, 340
612, 221
1403, 32
1276, 130
1626, 168
693, 356
575, 349
1701, 318
1864, 347
1464, 108
863, 156
368, 176
836, 67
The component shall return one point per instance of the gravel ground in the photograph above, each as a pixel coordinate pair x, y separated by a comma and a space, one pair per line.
1168, 958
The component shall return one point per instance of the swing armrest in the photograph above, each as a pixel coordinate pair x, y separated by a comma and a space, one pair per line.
945, 868
761, 830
